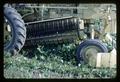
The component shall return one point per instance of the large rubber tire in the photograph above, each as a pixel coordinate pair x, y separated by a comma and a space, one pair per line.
18, 30
81, 49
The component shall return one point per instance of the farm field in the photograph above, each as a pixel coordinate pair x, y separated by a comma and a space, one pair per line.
52, 62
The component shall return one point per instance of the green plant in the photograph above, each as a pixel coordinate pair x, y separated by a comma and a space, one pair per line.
52, 62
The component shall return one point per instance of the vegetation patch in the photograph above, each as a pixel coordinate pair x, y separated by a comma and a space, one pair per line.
48, 62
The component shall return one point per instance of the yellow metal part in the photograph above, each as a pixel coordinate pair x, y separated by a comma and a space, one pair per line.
107, 21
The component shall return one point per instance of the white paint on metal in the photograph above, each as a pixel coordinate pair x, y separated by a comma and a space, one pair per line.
8, 28
108, 37
113, 58
92, 34
81, 25
98, 63
106, 59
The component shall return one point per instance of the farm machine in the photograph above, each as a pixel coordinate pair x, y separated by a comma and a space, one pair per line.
27, 30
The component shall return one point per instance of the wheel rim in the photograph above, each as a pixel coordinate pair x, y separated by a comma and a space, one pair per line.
90, 55
7, 33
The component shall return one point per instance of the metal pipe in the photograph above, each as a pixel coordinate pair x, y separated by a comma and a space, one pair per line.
58, 7
49, 20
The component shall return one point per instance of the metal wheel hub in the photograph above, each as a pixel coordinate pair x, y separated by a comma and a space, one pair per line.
90, 54
7, 33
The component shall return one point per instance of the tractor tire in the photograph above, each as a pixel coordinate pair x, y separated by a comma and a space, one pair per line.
18, 30
85, 46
